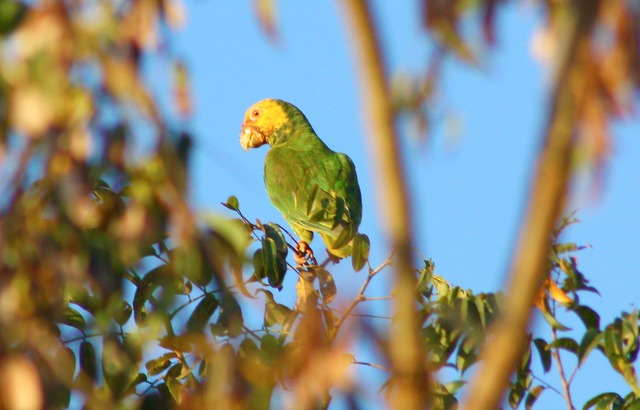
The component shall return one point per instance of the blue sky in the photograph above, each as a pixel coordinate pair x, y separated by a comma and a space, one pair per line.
468, 189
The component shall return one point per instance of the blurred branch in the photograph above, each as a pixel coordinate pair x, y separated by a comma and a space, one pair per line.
547, 199
407, 355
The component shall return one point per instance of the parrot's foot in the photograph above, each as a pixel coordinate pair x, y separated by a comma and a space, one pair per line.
303, 254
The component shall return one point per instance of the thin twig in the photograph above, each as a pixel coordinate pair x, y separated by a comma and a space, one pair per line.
377, 366
555, 352
548, 386
359, 298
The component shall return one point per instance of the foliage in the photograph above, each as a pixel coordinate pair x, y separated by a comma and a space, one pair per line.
114, 294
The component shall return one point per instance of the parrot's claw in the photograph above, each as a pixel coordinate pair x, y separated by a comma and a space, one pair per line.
303, 254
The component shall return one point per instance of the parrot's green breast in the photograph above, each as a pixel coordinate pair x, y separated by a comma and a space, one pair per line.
315, 188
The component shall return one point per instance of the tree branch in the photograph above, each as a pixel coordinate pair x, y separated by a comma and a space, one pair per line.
547, 200
406, 350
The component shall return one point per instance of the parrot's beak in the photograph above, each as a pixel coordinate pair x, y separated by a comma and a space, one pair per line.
250, 138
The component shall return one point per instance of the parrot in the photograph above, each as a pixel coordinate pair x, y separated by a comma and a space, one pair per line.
315, 188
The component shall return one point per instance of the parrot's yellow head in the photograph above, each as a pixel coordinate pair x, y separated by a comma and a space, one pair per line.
261, 121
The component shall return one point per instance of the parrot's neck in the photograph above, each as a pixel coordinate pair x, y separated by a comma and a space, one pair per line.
298, 133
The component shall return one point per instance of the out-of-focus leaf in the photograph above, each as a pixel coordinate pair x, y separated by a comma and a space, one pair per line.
533, 395
230, 321
454, 386
120, 361
157, 366
187, 342
202, 368
175, 387
591, 339
360, 254
187, 262
544, 352
274, 313
466, 355
202, 313
516, 394
565, 343
556, 293
266, 13
88, 360
270, 349
155, 278
122, 315
553, 322
73, 318
605, 401
630, 335
232, 230
64, 365
11, 14
588, 316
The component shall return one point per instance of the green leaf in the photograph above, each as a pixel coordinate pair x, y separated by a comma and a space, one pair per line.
274, 232
360, 254
202, 313
175, 387
544, 352
271, 349
202, 368
454, 386
184, 343
532, 396
467, 354
157, 366
630, 335
73, 318
11, 14
565, 343
274, 313
64, 363
187, 262
588, 316
155, 278
230, 320
605, 401
233, 231
553, 322
327, 285
88, 360
274, 265
516, 394
232, 203
248, 348
591, 339
122, 315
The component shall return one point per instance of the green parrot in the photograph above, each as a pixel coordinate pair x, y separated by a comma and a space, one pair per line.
315, 188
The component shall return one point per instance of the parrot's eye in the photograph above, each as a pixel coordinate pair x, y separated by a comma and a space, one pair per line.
255, 114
